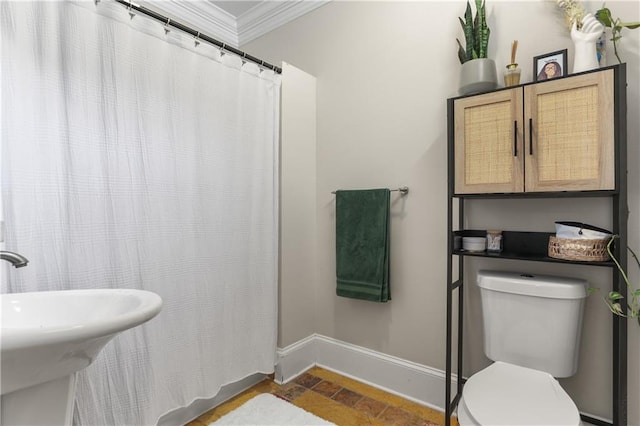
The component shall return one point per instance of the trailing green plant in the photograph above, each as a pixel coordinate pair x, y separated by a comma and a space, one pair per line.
614, 299
476, 33
575, 12
604, 16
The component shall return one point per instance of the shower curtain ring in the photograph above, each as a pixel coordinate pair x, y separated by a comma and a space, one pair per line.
166, 26
131, 12
222, 47
196, 42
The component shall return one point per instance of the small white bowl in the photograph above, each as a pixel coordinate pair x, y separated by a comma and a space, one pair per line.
474, 243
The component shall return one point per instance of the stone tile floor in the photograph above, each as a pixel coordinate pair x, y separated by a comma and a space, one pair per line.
338, 399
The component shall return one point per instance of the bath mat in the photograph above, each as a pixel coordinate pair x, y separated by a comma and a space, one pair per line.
266, 409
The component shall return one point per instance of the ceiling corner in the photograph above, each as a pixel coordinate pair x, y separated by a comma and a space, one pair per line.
269, 15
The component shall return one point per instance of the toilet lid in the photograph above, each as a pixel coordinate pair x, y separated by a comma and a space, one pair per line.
507, 394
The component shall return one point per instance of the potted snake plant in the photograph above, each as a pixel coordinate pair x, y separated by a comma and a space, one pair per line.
478, 73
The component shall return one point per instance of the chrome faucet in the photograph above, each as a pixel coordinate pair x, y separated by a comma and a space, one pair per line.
17, 260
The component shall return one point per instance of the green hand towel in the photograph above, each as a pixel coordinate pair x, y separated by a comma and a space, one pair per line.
362, 244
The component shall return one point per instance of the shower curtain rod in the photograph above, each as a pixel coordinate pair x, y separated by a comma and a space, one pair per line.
197, 34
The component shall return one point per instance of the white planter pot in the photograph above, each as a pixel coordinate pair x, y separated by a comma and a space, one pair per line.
478, 75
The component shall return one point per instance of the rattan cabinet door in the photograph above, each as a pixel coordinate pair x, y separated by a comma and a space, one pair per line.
488, 143
570, 134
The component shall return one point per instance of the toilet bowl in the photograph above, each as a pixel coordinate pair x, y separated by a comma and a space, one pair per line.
507, 394
531, 326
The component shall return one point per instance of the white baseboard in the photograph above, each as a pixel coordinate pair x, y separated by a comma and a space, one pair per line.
295, 359
415, 382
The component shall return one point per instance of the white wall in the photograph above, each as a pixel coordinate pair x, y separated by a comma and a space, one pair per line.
297, 206
385, 70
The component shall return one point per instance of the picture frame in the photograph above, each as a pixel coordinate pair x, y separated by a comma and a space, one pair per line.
557, 62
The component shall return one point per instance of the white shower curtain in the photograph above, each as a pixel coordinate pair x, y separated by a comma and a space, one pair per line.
132, 158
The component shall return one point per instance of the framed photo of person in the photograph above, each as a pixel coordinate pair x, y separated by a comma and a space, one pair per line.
550, 65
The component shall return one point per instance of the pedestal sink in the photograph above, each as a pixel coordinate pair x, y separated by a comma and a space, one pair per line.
46, 337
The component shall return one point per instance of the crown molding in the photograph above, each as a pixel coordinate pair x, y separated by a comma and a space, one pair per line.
269, 15
212, 20
202, 16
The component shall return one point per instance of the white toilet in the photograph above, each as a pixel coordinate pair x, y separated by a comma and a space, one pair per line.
532, 330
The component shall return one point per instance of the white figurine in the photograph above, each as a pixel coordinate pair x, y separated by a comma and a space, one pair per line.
584, 41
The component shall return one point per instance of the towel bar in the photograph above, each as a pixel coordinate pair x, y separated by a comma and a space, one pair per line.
404, 190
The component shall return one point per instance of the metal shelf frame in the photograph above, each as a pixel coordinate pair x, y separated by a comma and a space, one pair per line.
456, 258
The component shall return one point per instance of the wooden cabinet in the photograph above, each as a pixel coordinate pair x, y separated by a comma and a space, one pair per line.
559, 139
556, 135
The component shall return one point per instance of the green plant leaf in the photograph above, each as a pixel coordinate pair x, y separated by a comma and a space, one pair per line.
468, 31
614, 295
487, 30
485, 42
477, 35
630, 25
462, 24
604, 15
617, 309
462, 55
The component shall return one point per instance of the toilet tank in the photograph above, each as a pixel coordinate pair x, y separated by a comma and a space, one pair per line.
533, 321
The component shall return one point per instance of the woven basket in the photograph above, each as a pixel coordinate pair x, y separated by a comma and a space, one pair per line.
582, 250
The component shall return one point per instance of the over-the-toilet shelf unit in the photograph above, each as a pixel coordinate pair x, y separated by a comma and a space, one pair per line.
499, 146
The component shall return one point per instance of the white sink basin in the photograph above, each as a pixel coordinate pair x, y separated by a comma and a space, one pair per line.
50, 335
